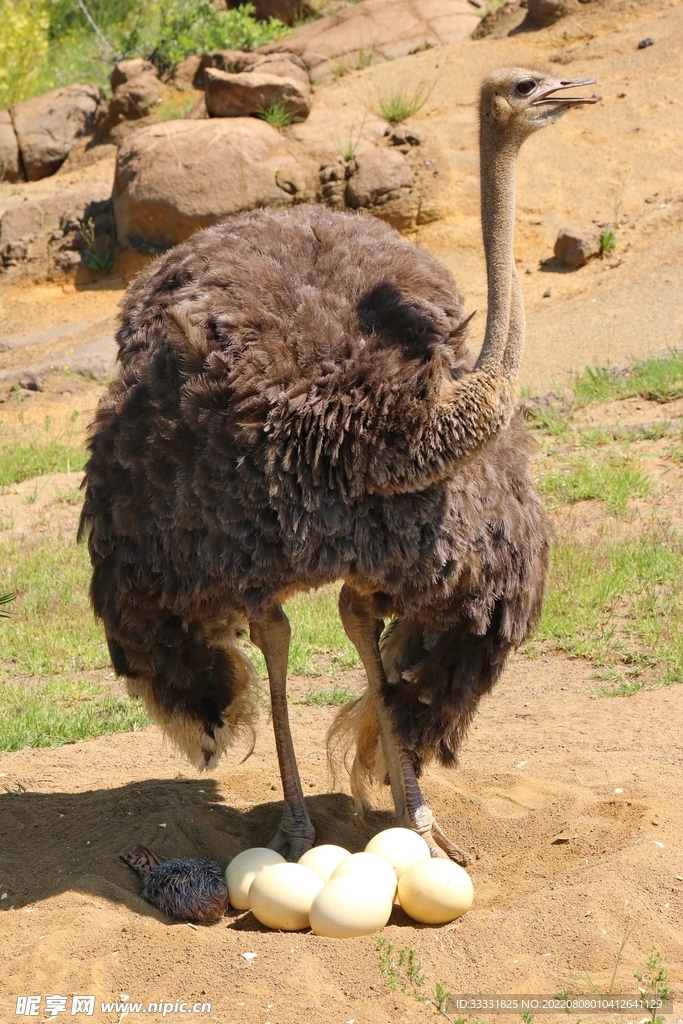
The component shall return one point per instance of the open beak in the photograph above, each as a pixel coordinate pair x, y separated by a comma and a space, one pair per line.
549, 97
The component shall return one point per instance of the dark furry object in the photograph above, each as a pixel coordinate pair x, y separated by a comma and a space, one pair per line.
278, 424
184, 889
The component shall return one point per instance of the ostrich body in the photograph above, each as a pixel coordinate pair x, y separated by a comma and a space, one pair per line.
296, 405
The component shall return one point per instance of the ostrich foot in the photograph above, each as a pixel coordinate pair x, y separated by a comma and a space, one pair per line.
292, 840
425, 824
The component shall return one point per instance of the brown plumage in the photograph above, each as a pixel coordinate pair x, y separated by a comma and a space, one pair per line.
296, 405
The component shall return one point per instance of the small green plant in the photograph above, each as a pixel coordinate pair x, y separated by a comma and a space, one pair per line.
608, 241
279, 115
400, 105
402, 969
348, 144
652, 985
5, 599
336, 696
100, 260
527, 1017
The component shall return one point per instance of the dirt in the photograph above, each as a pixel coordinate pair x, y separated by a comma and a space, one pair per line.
571, 806
569, 803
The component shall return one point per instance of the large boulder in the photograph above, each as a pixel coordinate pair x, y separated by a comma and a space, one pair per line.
243, 94
49, 126
376, 30
178, 176
10, 164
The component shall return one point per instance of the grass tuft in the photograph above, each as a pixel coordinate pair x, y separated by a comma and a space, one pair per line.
279, 115
400, 105
608, 241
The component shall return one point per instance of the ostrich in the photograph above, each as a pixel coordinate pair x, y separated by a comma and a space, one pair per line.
296, 405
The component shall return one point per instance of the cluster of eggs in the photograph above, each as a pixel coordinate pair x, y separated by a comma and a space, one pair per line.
343, 895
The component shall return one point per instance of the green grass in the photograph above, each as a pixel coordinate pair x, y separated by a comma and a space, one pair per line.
401, 104
620, 606
608, 241
335, 696
279, 115
654, 378
37, 453
611, 479
319, 643
62, 711
52, 630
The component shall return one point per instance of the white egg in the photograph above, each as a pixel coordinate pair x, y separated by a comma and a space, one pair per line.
324, 859
369, 867
435, 891
348, 906
242, 870
400, 846
281, 896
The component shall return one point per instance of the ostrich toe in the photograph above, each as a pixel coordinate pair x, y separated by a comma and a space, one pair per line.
292, 840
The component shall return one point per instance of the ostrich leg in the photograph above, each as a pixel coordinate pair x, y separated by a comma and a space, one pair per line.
295, 833
412, 810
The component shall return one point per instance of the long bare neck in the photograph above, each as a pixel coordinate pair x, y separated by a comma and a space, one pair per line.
498, 165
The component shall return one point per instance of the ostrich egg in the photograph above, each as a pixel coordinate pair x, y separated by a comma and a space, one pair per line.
369, 867
242, 870
350, 905
281, 895
324, 859
400, 846
435, 891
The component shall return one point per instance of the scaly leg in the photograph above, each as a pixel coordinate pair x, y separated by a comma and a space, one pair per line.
412, 810
295, 833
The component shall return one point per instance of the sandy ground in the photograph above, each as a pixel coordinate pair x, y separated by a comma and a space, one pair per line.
570, 804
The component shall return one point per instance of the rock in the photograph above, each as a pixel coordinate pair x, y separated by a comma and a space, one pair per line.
286, 10
285, 65
175, 177
185, 73
329, 134
548, 11
376, 30
49, 126
41, 237
135, 99
31, 383
128, 70
10, 165
403, 137
576, 245
381, 175
560, 401
241, 95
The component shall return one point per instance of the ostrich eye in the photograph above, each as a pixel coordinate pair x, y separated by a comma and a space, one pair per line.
525, 87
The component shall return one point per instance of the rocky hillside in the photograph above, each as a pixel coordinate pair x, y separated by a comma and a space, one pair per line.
372, 108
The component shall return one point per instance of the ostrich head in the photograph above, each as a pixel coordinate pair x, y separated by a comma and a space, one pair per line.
515, 102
